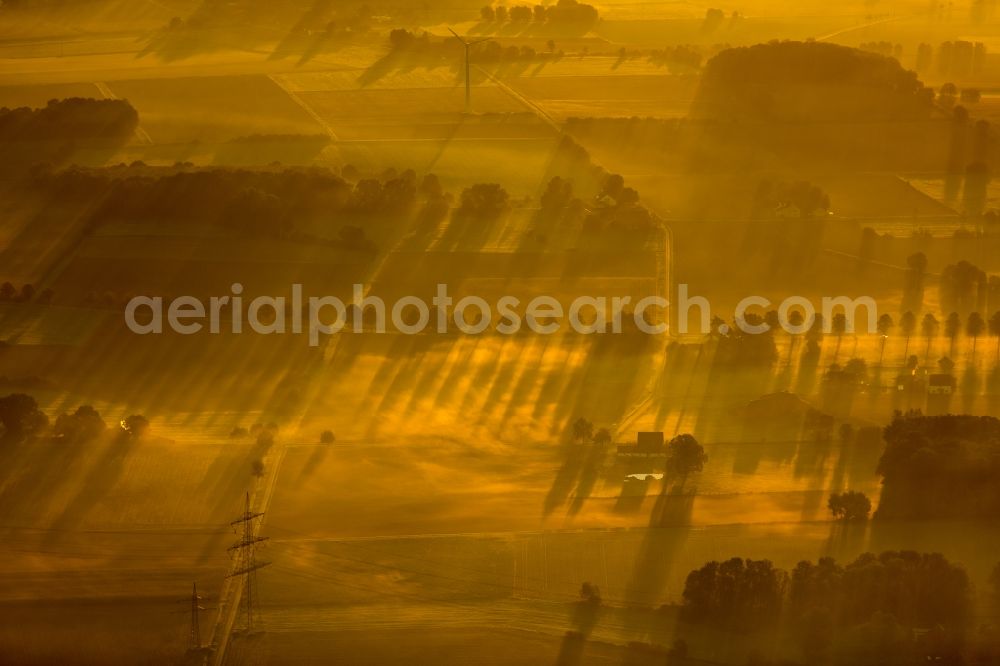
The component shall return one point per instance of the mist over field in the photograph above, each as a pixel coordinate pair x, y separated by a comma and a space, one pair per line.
464, 332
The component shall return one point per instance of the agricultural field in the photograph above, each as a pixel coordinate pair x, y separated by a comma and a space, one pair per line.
456, 498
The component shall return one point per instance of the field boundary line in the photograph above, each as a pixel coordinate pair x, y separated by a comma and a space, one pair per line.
142, 134
275, 78
539, 111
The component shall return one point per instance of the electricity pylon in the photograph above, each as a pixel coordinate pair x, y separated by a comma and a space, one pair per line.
196, 608
245, 552
468, 73
196, 653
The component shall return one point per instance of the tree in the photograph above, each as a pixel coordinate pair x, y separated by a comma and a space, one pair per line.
907, 325
583, 430
257, 467
735, 594
520, 14
994, 325
839, 327
850, 506
266, 435
7, 292
590, 593
430, 186
558, 193
602, 437
918, 589
975, 327
327, 437
925, 55
960, 286
885, 324
401, 38
732, 80
857, 369
84, 423
629, 197
947, 95
685, 456
713, 19
946, 365
135, 426
930, 327
614, 184
20, 415
484, 201
913, 288
952, 327
936, 467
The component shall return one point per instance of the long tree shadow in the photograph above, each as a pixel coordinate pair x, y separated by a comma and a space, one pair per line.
298, 36
970, 388
36, 470
590, 472
847, 539
102, 477
666, 535
565, 478
212, 26
571, 649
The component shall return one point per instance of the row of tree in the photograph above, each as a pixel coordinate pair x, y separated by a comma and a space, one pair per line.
963, 286
565, 14
974, 326
21, 417
406, 43
826, 603
269, 203
10, 293
957, 59
55, 132
75, 118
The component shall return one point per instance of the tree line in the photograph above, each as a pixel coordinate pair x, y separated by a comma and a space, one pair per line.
75, 118
266, 202
940, 467
449, 50
825, 607
21, 418
52, 133
565, 15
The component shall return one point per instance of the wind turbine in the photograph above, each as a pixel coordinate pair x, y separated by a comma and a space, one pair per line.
468, 82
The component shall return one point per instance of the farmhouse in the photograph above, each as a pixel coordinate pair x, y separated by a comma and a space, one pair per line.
941, 384
649, 445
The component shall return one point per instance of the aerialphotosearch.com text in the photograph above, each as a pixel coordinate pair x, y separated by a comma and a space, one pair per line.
318, 316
